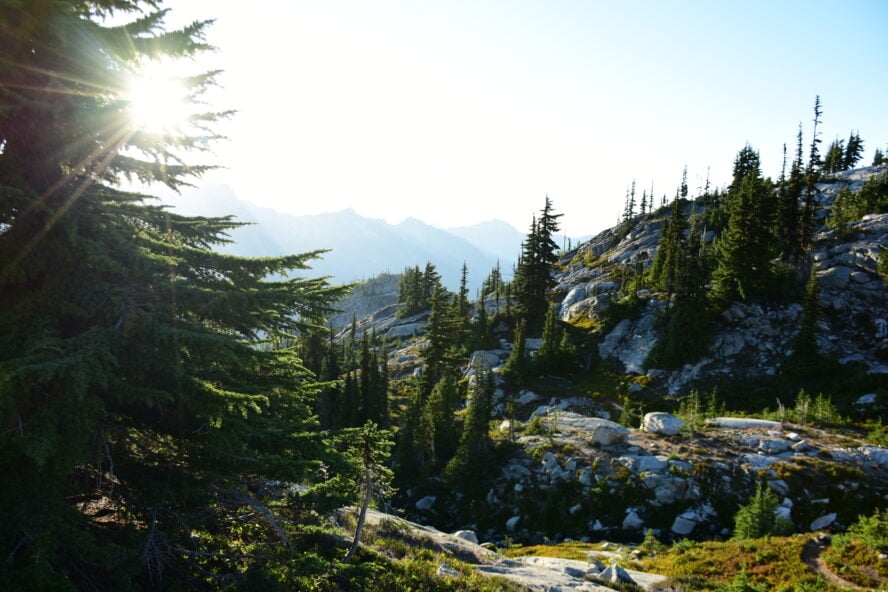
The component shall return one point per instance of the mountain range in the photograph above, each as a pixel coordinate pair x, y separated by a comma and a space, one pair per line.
359, 247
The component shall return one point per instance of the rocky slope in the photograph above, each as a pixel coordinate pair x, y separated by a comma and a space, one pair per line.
750, 340
574, 473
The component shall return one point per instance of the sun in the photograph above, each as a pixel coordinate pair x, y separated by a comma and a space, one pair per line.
157, 101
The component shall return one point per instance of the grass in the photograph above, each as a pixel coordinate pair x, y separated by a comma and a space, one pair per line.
775, 562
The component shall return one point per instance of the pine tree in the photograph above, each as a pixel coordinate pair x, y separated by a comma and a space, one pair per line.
757, 519
517, 365
812, 175
129, 349
805, 355
472, 465
533, 276
788, 211
879, 157
853, 151
834, 161
745, 248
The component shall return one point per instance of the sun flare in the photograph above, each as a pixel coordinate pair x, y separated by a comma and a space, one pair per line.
158, 102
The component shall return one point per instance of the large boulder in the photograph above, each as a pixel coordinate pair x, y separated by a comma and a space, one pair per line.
661, 423
600, 431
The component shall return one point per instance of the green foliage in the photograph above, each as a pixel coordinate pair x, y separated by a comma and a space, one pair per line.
741, 583
533, 274
745, 248
416, 289
851, 206
556, 354
757, 518
517, 366
471, 468
883, 265
144, 372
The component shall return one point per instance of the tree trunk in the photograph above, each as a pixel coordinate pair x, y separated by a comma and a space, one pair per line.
361, 517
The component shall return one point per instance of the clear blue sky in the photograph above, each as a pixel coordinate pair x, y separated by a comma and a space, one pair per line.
459, 111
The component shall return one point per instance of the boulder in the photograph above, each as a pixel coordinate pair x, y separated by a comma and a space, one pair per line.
426, 503
512, 523
661, 423
467, 535
600, 431
683, 526
632, 521
823, 522
616, 575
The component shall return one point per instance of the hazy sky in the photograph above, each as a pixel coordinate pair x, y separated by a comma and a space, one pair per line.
460, 111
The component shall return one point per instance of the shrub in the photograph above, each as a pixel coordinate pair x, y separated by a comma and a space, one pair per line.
758, 519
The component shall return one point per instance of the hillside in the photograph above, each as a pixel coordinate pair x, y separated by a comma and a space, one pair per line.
615, 447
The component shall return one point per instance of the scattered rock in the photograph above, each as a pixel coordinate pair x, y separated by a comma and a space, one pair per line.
661, 423
426, 503
616, 575
467, 535
632, 521
823, 522
512, 523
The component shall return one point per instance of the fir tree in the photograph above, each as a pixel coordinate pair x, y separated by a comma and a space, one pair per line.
853, 151
473, 463
812, 175
745, 248
758, 519
517, 364
129, 348
879, 157
788, 210
533, 277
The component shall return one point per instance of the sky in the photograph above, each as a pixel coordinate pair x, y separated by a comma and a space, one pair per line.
460, 111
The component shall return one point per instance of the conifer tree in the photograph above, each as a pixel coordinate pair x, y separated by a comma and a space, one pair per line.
517, 364
805, 354
533, 276
129, 350
879, 157
812, 175
745, 248
472, 464
853, 151
788, 210
834, 161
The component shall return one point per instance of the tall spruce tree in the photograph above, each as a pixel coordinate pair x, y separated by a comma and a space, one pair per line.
789, 210
812, 175
129, 366
745, 248
533, 276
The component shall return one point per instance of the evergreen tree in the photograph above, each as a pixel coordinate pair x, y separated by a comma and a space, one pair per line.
745, 248
757, 519
853, 151
369, 448
472, 465
533, 277
879, 158
812, 175
834, 161
670, 250
805, 353
517, 365
442, 406
129, 349
788, 210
